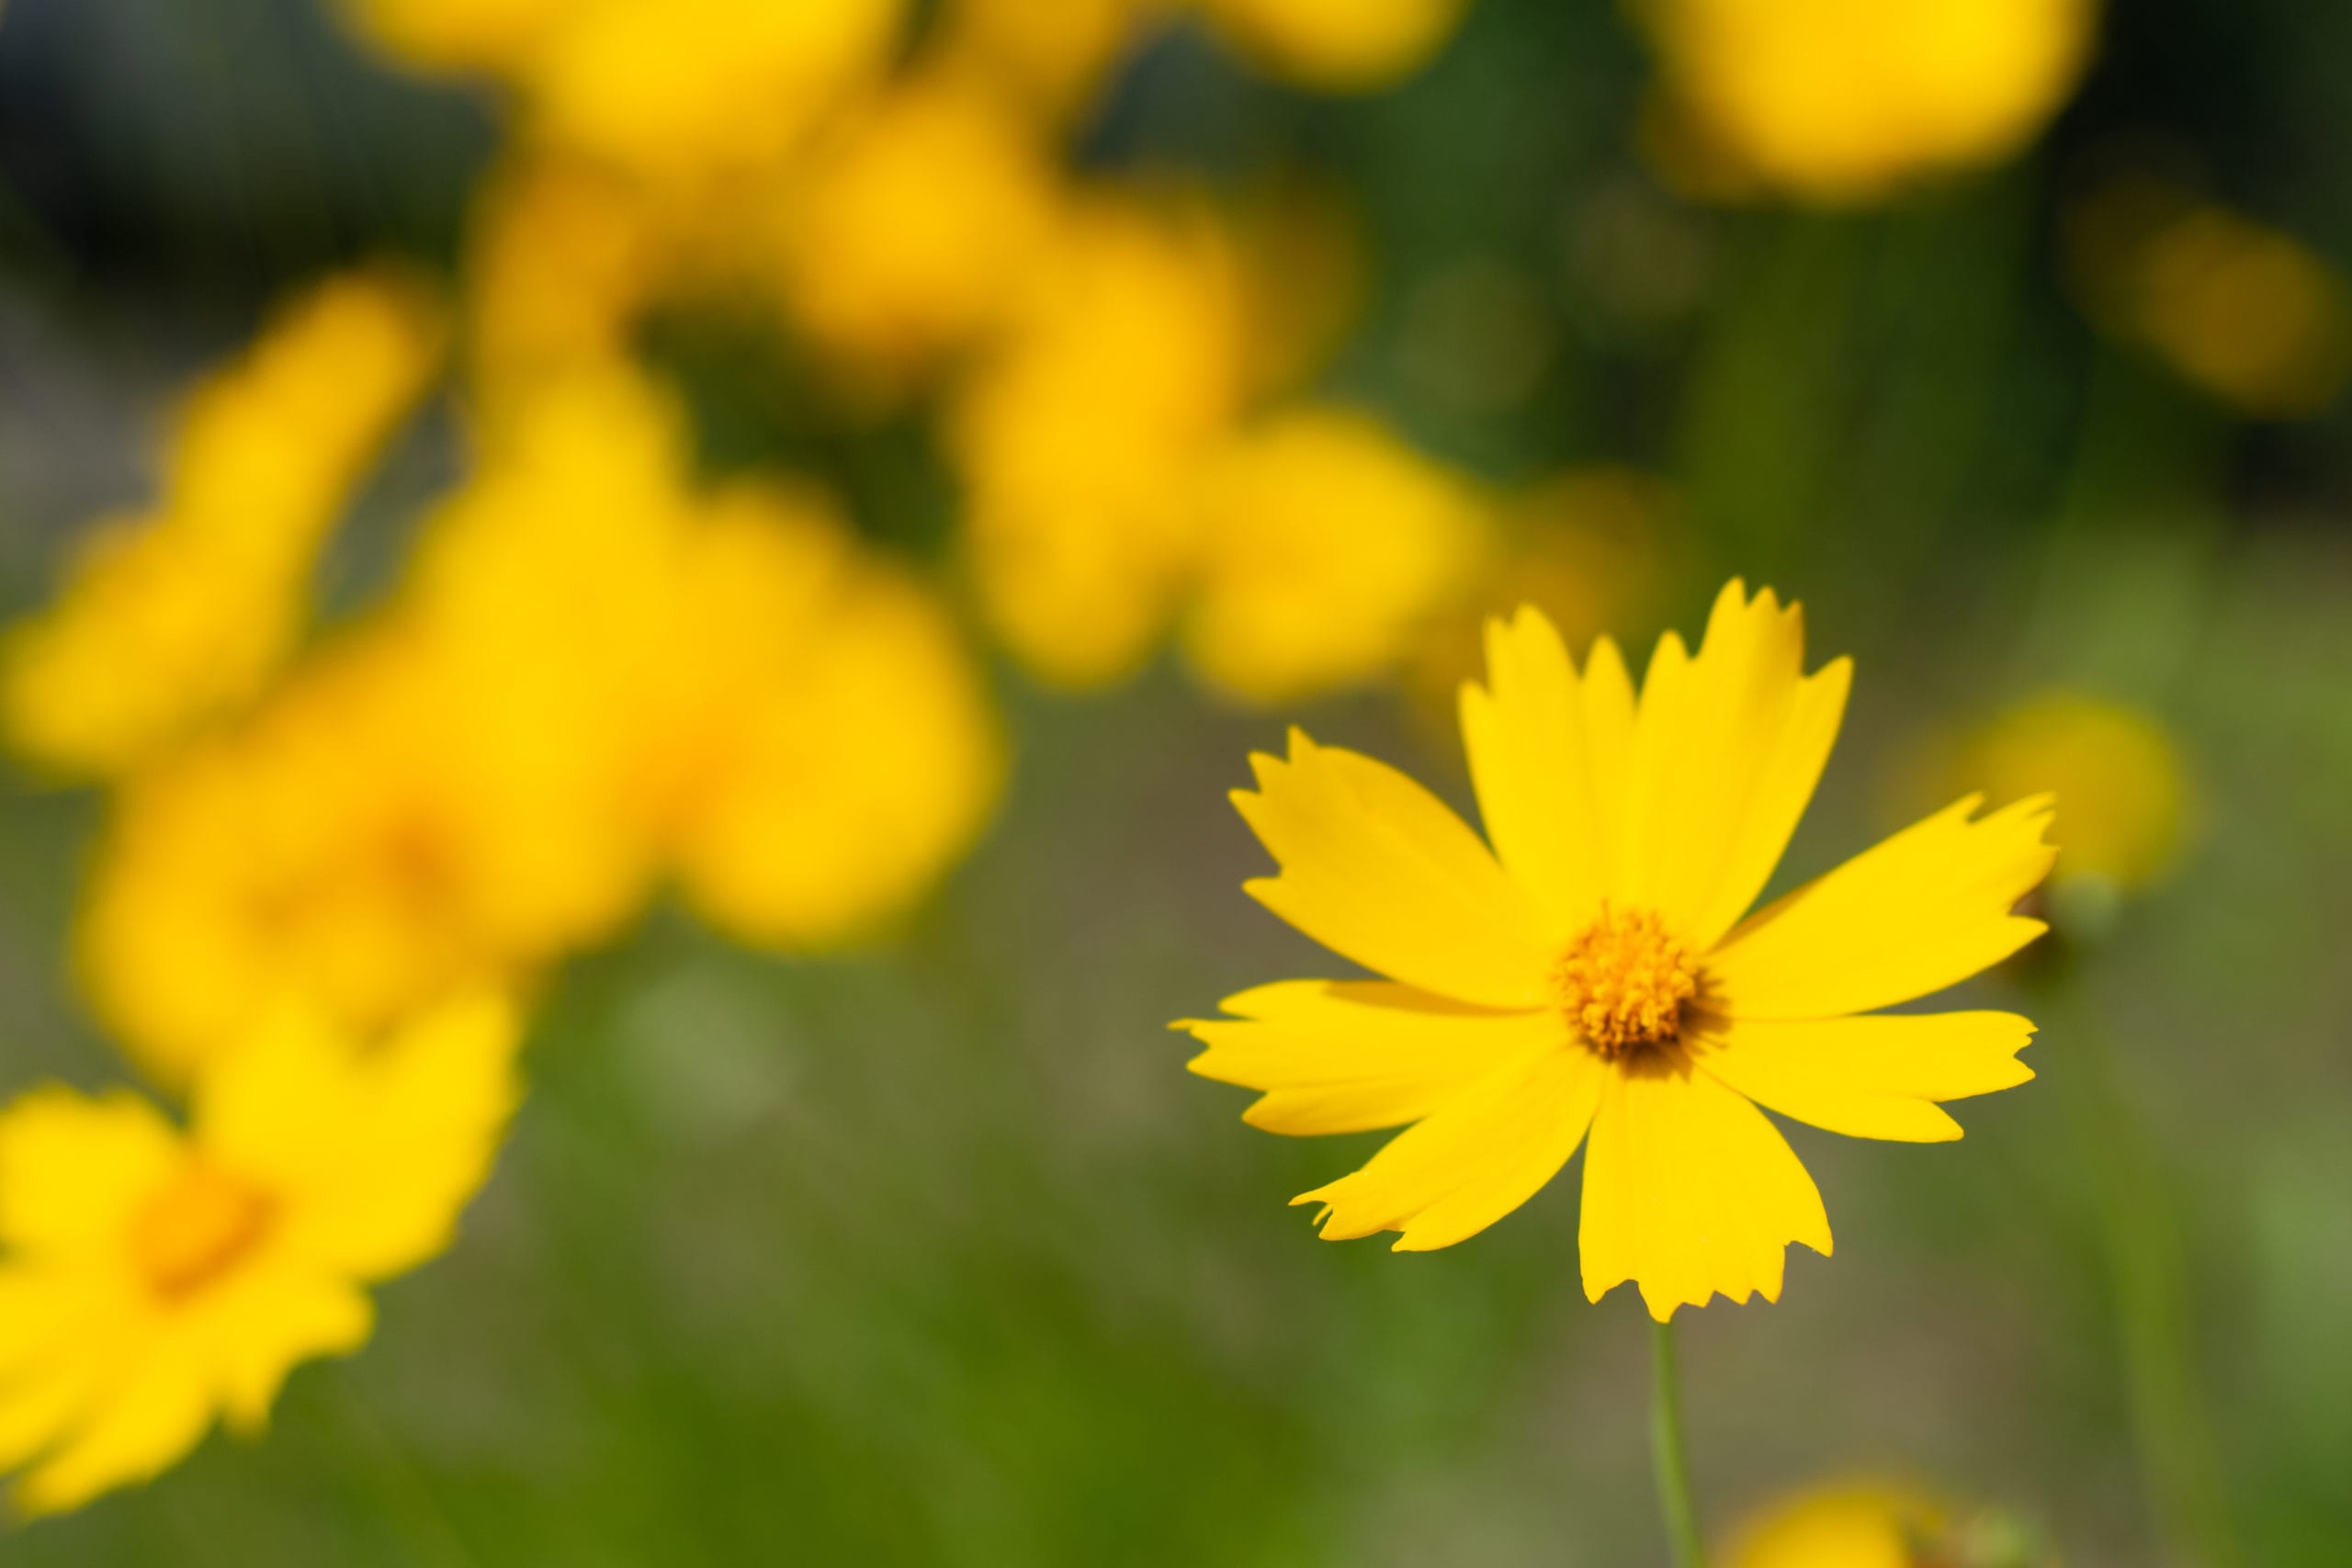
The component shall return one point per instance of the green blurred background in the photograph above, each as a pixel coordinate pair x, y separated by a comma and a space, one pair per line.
936, 1256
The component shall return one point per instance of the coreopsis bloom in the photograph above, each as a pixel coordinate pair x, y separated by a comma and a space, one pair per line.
1055, 59
1323, 545
683, 89
2118, 768
696, 87
820, 749
1845, 100
763, 707
562, 257
1337, 45
1597, 971
1127, 363
1120, 489
1869, 1524
912, 227
155, 1279
174, 617
377, 836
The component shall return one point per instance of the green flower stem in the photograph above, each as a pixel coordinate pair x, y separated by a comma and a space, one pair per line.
1667, 1455
2148, 1283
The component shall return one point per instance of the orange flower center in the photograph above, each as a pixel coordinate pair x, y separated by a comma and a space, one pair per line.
196, 1229
1623, 982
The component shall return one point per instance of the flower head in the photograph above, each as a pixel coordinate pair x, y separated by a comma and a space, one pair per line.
156, 1278
1844, 100
1874, 1524
1597, 971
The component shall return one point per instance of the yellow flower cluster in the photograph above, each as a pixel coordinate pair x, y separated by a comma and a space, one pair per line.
596, 673
1840, 101
601, 673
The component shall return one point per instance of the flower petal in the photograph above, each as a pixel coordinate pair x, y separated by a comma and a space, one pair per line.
74, 1169
274, 1320
376, 1150
1689, 1190
1926, 909
1869, 1078
1347, 1056
1377, 869
158, 1407
1478, 1157
58, 1329
1549, 753
1730, 745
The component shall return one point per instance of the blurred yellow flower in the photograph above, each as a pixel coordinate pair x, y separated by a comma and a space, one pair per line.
1054, 56
735, 684
1844, 100
1126, 364
848, 754
1860, 1525
175, 617
1116, 490
683, 89
1341, 46
1326, 548
2118, 770
1593, 969
695, 87
154, 1280
1874, 1524
562, 256
2246, 311
914, 227
376, 837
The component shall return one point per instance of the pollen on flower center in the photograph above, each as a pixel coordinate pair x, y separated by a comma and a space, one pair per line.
1623, 981
196, 1229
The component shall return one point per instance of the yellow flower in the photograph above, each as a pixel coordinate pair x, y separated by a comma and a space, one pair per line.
1843, 100
1594, 971
1861, 1524
1326, 548
376, 837
1074, 434
1054, 56
695, 87
2120, 772
1873, 1523
832, 750
156, 1278
729, 680
175, 617
1344, 46
562, 257
914, 227
1117, 491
